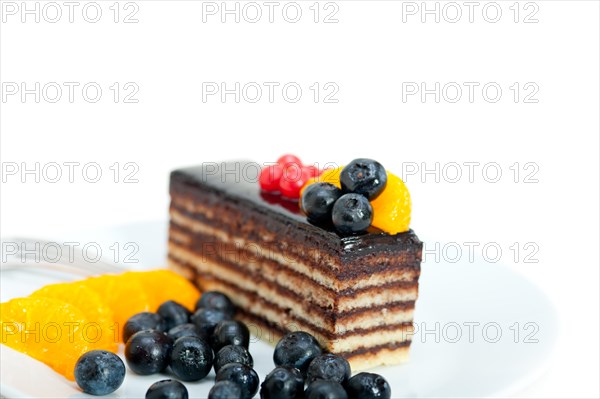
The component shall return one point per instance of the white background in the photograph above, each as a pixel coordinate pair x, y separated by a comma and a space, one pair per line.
370, 54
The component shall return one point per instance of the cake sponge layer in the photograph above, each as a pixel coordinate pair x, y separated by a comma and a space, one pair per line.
266, 313
394, 303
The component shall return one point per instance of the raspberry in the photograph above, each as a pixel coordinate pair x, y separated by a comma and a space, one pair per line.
287, 177
287, 159
292, 181
270, 177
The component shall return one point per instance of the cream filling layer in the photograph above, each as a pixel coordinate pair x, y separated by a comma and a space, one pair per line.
266, 289
346, 343
313, 291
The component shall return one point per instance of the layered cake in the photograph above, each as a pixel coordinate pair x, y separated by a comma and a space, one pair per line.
288, 267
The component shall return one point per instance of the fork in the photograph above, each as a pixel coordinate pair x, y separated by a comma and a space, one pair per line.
16, 254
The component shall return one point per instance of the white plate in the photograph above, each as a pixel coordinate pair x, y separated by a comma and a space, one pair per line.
487, 297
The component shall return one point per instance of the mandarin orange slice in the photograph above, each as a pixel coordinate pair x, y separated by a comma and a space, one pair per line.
162, 285
124, 295
391, 208
49, 330
89, 302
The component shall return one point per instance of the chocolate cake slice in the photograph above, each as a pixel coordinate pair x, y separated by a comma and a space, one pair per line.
355, 294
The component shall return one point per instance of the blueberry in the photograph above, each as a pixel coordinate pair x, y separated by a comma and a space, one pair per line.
206, 319
99, 372
231, 332
325, 389
173, 314
352, 213
233, 354
296, 349
283, 383
242, 375
191, 359
368, 386
225, 390
167, 389
147, 352
317, 201
216, 300
329, 367
143, 321
363, 176
184, 330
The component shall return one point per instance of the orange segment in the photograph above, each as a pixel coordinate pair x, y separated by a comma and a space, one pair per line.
328, 176
124, 295
391, 209
162, 285
90, 303
47, 329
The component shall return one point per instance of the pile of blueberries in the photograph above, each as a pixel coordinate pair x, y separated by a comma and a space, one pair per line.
190, 345
300, 360
348, 209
